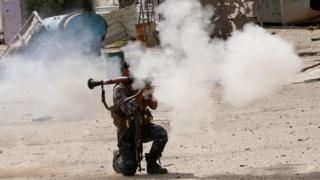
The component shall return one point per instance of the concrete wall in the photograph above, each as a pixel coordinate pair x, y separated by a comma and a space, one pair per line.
291, 7
105, 6
284, 11
12, 19
268, 11
1, 23
1, 16
100, 3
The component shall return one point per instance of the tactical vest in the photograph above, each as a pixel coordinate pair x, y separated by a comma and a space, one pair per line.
122, 121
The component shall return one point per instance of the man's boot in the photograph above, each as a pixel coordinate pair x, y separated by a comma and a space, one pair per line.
116, 155
153, 167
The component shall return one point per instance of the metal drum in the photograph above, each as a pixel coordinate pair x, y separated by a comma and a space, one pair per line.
84, 28
77, 23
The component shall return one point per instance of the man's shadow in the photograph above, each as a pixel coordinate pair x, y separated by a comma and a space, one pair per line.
173, 175
170, 175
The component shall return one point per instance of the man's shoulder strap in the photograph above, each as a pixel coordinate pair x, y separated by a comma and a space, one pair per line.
121, 85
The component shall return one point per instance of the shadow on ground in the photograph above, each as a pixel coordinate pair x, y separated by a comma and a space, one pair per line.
307, 176
145, 176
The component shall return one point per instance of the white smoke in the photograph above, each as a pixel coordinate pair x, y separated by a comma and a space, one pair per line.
256, 65
48, 82
250, 65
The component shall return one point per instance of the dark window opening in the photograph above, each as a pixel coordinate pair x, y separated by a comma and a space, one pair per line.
315, 4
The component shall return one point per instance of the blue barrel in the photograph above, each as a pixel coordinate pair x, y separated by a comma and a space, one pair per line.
77, 23
83, 28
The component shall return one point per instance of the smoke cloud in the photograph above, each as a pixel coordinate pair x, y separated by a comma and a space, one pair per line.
256, 65
250, 65
51, 79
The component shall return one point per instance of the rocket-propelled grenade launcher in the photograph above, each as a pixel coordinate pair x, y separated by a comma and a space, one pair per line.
92, 83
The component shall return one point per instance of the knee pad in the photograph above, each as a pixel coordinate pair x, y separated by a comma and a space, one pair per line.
129, 168
129, 171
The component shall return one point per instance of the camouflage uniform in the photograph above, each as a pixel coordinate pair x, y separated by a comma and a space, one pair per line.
126, 161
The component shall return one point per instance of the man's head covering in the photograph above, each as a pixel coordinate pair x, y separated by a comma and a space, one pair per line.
124, 64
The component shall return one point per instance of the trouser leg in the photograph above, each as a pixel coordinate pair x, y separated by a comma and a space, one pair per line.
159, 136
126, 161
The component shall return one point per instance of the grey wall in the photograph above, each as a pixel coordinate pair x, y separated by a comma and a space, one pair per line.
1, 23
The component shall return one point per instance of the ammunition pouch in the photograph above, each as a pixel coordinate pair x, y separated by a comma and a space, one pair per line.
119, 119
